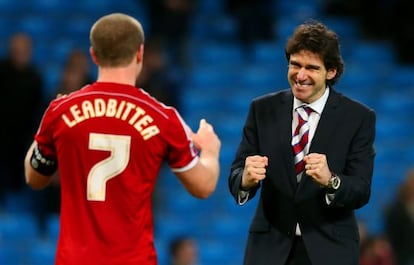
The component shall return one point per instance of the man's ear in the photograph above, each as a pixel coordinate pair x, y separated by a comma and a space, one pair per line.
93, 55
331, 74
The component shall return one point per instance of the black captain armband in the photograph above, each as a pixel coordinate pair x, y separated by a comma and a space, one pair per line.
42, 164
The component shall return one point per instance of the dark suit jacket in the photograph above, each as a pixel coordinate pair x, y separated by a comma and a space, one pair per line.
345, 133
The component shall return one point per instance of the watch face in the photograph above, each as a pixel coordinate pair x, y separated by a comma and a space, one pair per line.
335, 182
34, 163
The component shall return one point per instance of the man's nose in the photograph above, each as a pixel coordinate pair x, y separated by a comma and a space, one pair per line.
302, 73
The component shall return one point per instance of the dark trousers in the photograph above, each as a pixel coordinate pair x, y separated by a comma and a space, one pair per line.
298, 254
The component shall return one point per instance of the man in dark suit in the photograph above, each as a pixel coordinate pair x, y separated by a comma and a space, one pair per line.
311, 151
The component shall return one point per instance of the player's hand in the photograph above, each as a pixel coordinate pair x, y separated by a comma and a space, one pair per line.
206, 139
254, 171
316, 166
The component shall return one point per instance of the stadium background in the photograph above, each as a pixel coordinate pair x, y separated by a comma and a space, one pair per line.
218, 86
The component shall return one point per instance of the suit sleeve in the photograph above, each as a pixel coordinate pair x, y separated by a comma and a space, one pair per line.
357, 174
247, 147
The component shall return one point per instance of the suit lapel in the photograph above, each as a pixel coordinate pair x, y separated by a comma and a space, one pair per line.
327, 122
286, 133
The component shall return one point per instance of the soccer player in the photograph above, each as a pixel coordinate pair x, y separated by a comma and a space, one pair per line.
107, 142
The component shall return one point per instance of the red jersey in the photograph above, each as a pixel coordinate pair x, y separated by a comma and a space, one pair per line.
110, 141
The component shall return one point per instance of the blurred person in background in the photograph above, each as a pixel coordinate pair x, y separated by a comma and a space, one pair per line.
76, 72
21, 106
170, 21
183, 251
106, 142
371, 15
156, 76
311, 151
401, 29
376, 250
399, 222
255, 20
71, 80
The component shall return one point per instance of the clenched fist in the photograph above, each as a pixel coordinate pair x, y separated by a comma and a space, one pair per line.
254, 171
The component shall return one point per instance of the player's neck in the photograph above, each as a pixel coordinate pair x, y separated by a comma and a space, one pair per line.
117, 75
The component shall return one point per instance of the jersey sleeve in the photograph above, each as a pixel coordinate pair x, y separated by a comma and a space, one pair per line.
44, 134
182, 155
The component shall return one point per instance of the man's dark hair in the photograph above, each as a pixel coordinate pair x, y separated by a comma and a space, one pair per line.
315, 37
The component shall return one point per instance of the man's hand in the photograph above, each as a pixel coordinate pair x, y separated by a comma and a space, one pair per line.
254, 171
206, 139
317, 167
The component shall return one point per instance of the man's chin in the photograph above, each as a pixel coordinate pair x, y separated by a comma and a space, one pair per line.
301, 94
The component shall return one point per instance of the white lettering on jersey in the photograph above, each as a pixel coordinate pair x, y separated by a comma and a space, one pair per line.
124, 110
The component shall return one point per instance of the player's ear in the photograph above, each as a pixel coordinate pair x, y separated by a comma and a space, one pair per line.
93, 55
140, 53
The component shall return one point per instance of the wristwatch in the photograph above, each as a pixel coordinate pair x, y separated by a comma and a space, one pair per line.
333, 183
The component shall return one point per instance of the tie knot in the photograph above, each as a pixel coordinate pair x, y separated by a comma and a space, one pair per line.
308, 110
304, 112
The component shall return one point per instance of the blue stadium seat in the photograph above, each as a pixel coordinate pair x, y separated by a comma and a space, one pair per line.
348, 29
13, 8
396, 105
52, 73
374, 52
8, 26
217, 53
95, 8
42, 252
53, 8
78, 26
211, 7
18, 228
394, 132
284, 27
217, 27
11, 254
270, 53
401, 79
361, 85
208, 77
196, 100
52, 227
221, 251
38, 26
297, 10
169, 226
261, 79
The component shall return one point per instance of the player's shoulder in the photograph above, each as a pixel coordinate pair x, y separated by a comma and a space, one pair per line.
163, 109
61, 99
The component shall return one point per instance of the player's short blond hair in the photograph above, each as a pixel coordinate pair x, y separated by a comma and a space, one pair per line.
115, 39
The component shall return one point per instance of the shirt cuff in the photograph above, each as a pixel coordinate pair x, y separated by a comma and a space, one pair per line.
243, 197
329, 197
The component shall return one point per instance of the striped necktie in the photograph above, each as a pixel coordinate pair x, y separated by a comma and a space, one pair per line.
300, 139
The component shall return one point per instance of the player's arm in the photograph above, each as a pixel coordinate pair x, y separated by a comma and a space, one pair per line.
201, 180
39, 169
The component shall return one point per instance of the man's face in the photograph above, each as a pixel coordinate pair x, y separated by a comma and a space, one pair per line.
307, 76
21, 50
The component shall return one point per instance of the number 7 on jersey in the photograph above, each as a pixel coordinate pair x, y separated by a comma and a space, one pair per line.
101, 172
